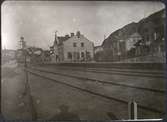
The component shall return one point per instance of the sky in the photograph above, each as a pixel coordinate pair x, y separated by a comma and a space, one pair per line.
37, 21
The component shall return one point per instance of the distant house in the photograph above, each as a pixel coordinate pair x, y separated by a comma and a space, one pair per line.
72, 48
132, 40
7, 55
46, 56
35, 54
98, 52
98, 49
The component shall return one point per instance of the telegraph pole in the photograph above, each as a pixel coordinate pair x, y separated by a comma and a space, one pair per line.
27, 92
22, 43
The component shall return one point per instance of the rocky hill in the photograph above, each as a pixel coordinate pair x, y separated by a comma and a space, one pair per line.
122, 33
156, 19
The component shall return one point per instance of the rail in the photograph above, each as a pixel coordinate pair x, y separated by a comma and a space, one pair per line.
102, 81
95, 93
121, 72
151, 66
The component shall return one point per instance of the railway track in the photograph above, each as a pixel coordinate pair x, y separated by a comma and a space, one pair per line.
153, 74
102, 81
90, 91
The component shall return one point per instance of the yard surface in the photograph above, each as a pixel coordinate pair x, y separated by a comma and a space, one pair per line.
55, 101
91, 107
15, 103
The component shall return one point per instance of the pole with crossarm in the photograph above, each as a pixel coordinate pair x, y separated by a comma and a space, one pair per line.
27, 90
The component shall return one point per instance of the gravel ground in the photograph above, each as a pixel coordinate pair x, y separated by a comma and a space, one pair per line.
56, 101
15, 104
46, 91
87, 107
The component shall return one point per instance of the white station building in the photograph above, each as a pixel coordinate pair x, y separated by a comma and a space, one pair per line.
74, 48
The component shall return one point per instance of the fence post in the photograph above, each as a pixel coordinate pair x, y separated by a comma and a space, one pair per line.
132, 109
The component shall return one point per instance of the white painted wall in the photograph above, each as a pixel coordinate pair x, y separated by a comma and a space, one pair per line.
132, 40
68, 46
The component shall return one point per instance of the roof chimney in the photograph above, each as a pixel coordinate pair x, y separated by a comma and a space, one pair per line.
67, 36
72, 34
56, 41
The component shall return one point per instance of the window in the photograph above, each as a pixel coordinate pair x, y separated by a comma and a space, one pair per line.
82, 54
82, 44
155, 35
88, 55
74, 44
78, 55
69, 55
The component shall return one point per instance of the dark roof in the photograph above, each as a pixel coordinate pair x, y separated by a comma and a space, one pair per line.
62, 39
46, 52
35, 48
97, 47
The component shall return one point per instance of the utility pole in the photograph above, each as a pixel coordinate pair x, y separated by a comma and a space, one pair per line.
27, 92
22, 43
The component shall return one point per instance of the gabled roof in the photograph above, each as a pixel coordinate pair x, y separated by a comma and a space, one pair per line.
98, 47
59, 40
62, 39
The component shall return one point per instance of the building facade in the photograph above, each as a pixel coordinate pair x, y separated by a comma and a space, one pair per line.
132, 40
74, 48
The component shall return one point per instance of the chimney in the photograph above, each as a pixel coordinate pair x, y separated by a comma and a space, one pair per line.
78, 34
72, 34
67, 36
56, 41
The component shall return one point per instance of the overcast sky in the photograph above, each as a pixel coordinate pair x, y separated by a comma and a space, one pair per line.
37, 21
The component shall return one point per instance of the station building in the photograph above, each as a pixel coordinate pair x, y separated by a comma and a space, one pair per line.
73, 48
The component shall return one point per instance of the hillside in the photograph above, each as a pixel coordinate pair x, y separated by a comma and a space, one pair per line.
124, 32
